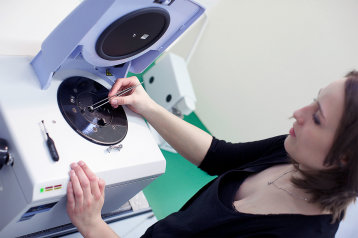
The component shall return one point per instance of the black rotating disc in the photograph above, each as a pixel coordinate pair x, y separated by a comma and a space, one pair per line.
104, 125
132, 33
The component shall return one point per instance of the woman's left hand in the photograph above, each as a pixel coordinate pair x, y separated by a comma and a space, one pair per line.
85, 198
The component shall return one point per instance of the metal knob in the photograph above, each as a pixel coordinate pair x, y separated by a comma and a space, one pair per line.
5, 156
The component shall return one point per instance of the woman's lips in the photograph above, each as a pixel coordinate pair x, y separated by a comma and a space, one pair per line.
292, 132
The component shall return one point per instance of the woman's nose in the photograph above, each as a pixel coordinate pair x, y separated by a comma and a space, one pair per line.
299, 116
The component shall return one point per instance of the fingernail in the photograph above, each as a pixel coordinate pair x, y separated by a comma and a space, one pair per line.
81, 163
114, 102
74, 165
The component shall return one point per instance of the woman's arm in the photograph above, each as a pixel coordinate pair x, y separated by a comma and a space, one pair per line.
85, 198
189, 141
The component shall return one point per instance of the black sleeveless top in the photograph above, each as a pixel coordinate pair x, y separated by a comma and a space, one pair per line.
210, 213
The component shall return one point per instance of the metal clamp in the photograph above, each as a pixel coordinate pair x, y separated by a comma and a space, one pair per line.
117, 147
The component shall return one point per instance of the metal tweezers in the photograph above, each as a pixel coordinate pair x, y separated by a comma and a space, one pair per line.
106, 100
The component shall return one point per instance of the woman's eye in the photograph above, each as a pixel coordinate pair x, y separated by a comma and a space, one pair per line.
316, 119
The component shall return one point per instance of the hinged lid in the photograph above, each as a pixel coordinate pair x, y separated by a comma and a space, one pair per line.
111, 37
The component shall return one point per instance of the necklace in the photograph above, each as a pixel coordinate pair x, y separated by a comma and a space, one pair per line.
283, 189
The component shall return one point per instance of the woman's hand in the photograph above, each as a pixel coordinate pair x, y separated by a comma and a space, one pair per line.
85, 198
137, 99
189, 141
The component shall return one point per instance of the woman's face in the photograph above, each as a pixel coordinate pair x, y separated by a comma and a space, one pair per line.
312, 134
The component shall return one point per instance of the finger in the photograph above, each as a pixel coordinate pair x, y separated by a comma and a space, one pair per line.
92, 179
102, 185
122, 100
115, 87
70, 197
119, 84
82, 177
89, 173
95, 189
77, 189
123, 83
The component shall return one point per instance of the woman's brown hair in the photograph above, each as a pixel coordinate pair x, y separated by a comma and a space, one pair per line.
334, 189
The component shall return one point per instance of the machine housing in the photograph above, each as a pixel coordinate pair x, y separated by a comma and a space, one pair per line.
33, 188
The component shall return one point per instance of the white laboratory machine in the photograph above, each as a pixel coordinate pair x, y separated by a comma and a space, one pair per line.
168, 83
49, 96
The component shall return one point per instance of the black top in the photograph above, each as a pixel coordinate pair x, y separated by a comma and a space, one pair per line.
210, 213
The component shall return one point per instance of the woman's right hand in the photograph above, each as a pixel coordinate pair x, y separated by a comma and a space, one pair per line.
191, 142
136, 99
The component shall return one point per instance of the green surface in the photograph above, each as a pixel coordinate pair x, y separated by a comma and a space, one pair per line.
181, 180
169, 192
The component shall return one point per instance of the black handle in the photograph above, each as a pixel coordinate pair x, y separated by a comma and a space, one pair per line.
52, 148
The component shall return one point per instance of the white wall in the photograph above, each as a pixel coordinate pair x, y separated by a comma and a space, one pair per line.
260, 60
25, 24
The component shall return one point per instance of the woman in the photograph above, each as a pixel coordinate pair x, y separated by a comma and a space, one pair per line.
286, 186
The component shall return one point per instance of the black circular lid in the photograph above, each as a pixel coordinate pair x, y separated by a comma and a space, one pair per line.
104, 125
132, 33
